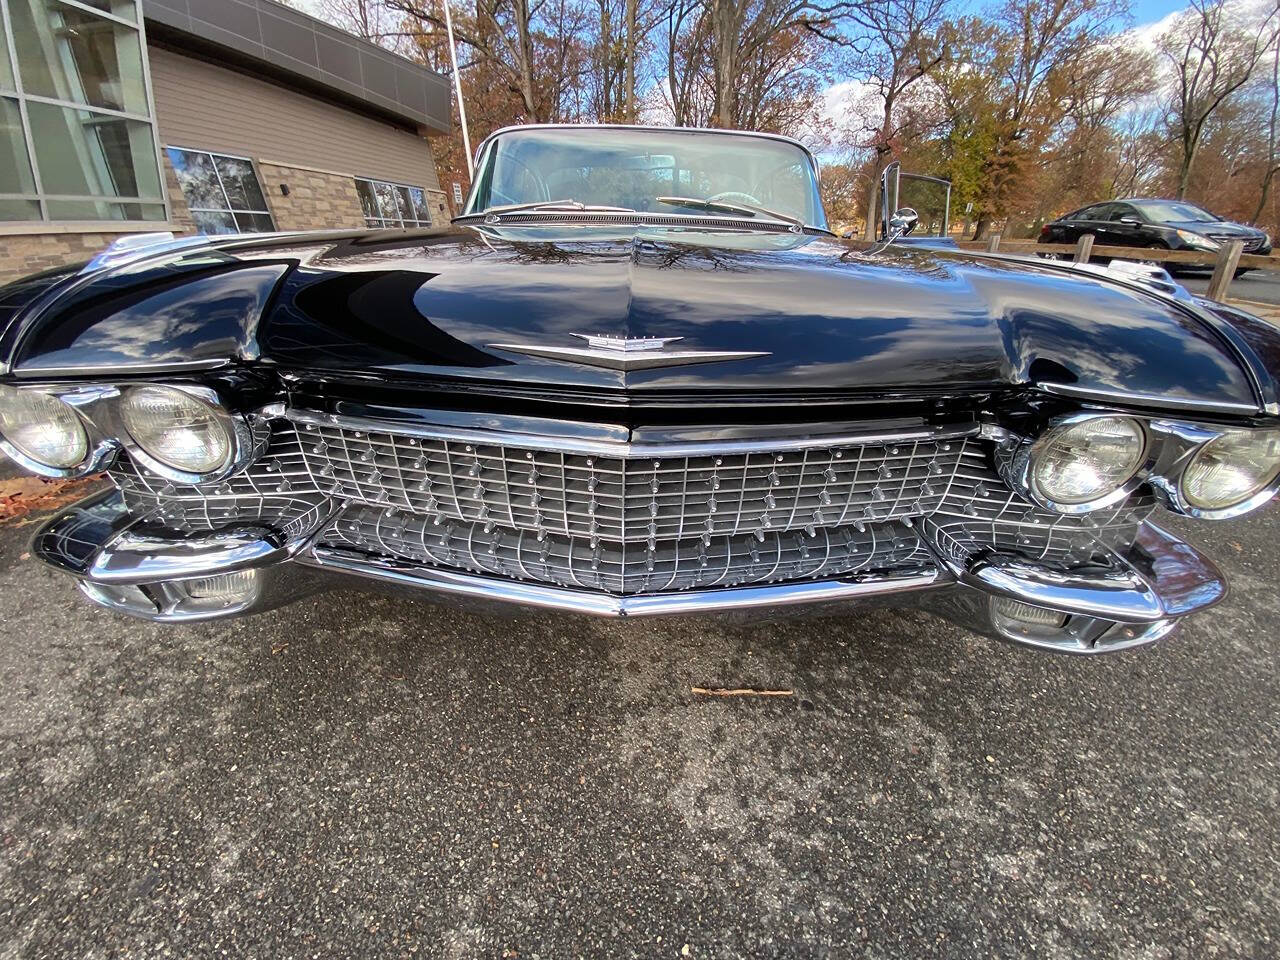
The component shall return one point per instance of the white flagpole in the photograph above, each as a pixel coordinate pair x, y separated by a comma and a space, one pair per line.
457, 86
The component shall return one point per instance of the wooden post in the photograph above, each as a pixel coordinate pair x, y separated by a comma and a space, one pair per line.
993, 243
1224, 271
1083, 248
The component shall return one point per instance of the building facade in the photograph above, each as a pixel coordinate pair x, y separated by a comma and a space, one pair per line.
202, 116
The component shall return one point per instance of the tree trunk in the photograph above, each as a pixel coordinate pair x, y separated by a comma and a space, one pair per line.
1267, 180
632, 41
724, 18
524, 39
1184, 168
981, 227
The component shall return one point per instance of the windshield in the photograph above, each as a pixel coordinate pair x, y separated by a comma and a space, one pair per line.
1161, 210
632, 168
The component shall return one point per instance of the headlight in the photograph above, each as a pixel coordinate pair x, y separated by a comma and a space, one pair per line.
43, 428
1197, 240
179, 430
1231, 469
1083, 462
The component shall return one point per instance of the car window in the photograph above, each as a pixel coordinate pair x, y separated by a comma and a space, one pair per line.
1121, 210
1175, 210
1096, 212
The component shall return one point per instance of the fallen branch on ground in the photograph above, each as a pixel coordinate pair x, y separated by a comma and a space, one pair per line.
740, 692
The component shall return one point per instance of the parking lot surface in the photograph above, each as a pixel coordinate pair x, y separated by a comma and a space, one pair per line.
360, 775
1256, 286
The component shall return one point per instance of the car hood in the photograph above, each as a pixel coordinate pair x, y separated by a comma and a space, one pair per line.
1217, 228
812, 314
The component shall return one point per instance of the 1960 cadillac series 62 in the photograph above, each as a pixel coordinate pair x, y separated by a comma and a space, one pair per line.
638, 375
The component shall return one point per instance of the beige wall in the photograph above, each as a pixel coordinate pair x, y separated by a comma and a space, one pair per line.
207, 107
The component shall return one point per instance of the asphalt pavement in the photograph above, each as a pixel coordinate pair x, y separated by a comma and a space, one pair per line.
1259, 286
362, 775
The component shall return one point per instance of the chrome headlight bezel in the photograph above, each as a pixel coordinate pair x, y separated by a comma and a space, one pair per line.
100, 447
1184, 443
240, 437
1018, 461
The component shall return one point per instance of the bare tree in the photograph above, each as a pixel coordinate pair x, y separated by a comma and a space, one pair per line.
903, 47
1273, 162
722, 54
1212, 58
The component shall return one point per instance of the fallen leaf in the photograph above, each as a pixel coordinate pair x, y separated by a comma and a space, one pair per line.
22, 495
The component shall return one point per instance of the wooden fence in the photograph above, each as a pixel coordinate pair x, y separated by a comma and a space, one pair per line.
1224, 262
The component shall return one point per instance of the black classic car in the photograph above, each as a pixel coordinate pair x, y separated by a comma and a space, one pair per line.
1154, 224
638, 375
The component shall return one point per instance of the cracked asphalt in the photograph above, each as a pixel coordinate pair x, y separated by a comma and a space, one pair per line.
362, 775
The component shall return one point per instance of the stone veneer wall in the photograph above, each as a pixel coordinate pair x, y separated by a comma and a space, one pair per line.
317, 200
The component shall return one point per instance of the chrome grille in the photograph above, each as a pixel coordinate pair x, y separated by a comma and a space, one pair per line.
628, 568
640, 499
823, 511
1249, 243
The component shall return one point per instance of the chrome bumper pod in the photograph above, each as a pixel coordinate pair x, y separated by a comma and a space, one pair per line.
127, 565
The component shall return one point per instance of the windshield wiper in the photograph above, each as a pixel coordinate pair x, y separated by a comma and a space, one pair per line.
569, 204
749, 209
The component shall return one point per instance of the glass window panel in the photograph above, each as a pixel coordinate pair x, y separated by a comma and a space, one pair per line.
19, 210
198, 179
71, 54
6, 71
241, 183
15, 166
87, 154
420, 208
368, 202
89, 209
387, 205
208, 221
254, 222
393, 204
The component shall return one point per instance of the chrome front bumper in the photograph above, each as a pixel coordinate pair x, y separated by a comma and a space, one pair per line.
1135, 599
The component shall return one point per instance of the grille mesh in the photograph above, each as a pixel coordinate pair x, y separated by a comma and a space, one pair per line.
636, 500
598, 523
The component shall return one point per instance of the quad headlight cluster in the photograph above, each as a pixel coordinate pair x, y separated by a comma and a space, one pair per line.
1090, 461
182, 433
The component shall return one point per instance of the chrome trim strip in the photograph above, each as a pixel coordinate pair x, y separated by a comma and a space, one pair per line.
616, 360
1146, 399
621, 449
608, 605
178, 366
1174, 580
1119, 595
138, 558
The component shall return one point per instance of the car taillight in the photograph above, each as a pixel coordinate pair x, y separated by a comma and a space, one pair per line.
1044, 230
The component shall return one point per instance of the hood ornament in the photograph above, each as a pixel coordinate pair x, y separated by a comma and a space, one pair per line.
627, 353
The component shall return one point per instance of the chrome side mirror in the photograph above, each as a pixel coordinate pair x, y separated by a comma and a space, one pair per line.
903, 221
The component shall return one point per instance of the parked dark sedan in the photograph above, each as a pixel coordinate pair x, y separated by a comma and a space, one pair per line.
1156, 224
639, 376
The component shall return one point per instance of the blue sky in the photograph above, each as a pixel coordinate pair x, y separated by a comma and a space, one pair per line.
1146, 11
